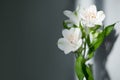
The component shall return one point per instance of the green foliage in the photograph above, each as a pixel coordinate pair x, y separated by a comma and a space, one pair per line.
97, 42
108, 29
88, 40
78, 67
99, 39
89, 73
82, 70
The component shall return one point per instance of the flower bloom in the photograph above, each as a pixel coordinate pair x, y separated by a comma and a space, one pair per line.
90, 17
74, 17
71, 40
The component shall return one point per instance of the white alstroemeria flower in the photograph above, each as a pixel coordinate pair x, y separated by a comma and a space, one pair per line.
71, 40
90, 17
74, 17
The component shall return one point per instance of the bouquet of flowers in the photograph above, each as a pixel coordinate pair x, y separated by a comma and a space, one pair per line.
83, 33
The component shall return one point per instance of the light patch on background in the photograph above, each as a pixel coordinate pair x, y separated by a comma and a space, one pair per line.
113, 15
84, 3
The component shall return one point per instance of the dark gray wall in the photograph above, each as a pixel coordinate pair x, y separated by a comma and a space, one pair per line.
29, 32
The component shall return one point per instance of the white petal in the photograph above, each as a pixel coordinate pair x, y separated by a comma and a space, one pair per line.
78, 8
100, 16
77, 33
73, 18
78, 11
69, 23
79, 43
98, 22
64, 45
92, 9
76, 22
66, 33
81, 13
73, 31
90, 24
68, 13
91, 37
85, 15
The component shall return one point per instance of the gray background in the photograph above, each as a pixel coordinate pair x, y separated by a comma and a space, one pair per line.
29, 32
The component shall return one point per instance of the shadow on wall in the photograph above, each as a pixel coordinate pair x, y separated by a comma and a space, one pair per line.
101, 56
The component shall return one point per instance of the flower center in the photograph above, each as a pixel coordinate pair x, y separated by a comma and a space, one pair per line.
72, 39
90, 15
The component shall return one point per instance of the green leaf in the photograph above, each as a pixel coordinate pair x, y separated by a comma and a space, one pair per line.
88, 40
85, 70
99, 39
75, 26
94, 29
90, 53
95, 44
82, 70
89, 72
108, 29
78, 67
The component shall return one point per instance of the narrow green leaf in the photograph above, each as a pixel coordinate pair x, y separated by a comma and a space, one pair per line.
108, 29
99, 39
78, 67
82, 70
95, 44
85, 70
88, 40
89, 72
75, 26
90, 53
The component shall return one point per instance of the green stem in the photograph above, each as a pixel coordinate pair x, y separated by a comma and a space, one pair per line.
84, 48
82, 70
